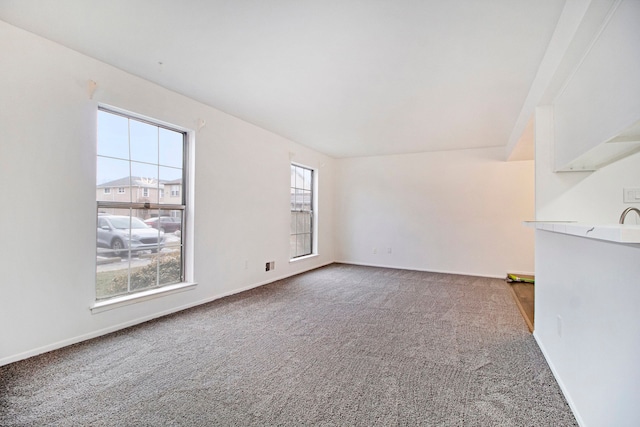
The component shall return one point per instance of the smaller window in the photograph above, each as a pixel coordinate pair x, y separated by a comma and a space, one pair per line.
145, 192
161, 193
175, 191
120, 190
107, 191
302, 220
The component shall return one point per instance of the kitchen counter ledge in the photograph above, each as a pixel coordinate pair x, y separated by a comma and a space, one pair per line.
618, 233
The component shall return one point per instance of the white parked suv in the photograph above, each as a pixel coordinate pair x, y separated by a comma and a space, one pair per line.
121, 233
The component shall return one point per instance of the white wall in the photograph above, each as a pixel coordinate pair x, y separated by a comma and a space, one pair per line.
448, 211
47, 167
591, 285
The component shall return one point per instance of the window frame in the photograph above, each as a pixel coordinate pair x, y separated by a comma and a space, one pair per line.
106, 303
312, 213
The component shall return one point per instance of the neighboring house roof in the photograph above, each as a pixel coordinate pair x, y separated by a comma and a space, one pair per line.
137, 181
122, 182
173, 182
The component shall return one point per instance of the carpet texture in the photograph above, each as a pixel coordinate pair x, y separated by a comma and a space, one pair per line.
341, 345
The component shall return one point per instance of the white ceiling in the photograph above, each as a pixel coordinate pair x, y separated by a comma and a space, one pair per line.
345, 77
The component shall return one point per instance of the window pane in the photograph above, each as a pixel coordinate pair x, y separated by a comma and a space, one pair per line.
170, 174
144, 183
144, 276
307, 179
294, 217
169, 222
113, 232
170, 268
307, 244
113, 135
300, 245
299, 177
112, 174
112, 279
143, 142
171, 148
292, 246
306, 200
113, 261
299, 200
306, 223
300, 223
171, 180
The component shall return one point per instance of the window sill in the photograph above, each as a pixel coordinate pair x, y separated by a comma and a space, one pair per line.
302, 258
122, 301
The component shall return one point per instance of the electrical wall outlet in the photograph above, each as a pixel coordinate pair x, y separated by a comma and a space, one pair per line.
271, 265
631, 195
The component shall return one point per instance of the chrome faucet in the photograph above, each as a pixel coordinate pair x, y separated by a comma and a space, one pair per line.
626, 211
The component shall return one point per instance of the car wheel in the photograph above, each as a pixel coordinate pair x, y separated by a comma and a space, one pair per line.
118, 247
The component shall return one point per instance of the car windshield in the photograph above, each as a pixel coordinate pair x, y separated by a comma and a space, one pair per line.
122, 223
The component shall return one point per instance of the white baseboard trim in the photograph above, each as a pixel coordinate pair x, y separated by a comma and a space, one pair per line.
139, 320
364, 264
563, 388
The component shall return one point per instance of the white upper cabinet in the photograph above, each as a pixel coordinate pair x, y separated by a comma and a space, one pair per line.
597, 112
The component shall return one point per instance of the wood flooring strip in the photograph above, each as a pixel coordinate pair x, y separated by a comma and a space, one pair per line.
521, 300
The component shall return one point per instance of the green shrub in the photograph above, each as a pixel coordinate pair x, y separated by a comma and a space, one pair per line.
145, 277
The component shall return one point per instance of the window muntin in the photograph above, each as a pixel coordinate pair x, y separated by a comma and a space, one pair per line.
302, 222
140, 156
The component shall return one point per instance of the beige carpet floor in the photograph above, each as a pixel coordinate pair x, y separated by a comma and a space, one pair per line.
338, 346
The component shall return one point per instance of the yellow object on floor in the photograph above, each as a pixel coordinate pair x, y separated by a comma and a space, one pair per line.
520, 278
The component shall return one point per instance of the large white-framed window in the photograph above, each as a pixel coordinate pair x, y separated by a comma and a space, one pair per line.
301, 234
134, 255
